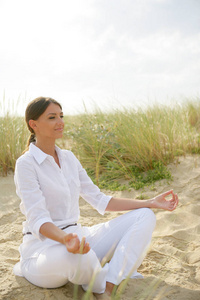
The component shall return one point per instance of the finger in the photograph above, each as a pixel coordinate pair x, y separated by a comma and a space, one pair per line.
176, 199
86, 248
168, 193
175, 203
173, 199
70, 236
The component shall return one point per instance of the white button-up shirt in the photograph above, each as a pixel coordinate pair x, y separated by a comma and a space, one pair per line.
50, 193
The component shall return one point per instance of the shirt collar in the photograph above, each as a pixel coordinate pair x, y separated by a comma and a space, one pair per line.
39, 155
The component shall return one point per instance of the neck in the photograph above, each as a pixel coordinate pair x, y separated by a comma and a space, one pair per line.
46, 147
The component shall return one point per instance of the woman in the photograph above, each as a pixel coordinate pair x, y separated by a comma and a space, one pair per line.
55, 248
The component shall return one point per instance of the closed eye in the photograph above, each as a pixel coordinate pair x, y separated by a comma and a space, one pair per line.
53, 117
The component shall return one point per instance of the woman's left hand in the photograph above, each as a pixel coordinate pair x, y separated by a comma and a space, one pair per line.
161, 202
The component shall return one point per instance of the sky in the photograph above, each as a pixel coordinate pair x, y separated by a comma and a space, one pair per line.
105, 53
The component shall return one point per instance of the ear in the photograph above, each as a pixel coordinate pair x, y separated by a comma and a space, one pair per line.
32, 124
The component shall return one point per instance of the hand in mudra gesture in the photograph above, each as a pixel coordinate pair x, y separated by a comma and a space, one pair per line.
74, 245
161, 202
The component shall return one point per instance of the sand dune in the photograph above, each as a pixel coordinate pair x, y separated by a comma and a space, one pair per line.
171, 268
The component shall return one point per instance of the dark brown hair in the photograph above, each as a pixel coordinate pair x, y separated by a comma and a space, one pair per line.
33, 111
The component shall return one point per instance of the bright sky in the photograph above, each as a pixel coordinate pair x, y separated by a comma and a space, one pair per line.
110, 52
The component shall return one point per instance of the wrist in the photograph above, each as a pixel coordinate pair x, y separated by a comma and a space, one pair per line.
151, 203
61, 236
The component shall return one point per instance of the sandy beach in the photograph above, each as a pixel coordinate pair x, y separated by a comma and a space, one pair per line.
171, 268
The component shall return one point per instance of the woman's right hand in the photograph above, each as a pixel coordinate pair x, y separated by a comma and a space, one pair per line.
74, 245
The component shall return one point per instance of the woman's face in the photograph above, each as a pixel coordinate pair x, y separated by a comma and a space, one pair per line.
50, 124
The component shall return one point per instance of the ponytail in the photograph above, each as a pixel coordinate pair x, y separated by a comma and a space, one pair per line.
31, 139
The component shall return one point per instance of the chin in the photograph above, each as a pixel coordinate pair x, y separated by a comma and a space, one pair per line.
58, 136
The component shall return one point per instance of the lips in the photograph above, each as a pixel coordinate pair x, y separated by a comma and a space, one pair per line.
59, 129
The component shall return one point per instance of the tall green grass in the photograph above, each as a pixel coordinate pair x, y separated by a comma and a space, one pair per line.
134, 145
127, 144
13, 136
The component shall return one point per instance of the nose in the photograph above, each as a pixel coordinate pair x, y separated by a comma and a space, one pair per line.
61, 121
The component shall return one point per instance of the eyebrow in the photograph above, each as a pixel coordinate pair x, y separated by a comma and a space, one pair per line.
55, 113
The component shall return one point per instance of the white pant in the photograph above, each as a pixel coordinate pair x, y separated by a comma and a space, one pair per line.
124, 238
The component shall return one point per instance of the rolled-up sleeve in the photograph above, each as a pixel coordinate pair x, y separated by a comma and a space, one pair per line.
33, 203
90, 192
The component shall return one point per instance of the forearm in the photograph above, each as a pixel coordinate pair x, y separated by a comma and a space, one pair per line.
51, 231
120, 204
71, 240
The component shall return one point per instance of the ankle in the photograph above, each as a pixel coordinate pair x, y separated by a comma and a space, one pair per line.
109, 288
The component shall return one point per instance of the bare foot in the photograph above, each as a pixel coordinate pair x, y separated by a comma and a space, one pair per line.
108, 292
109, 288
104, 296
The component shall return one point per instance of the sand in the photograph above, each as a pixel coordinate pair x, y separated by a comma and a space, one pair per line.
171, 268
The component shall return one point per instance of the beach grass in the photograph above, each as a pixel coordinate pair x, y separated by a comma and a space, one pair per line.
13, 138
131, 145
128, 145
